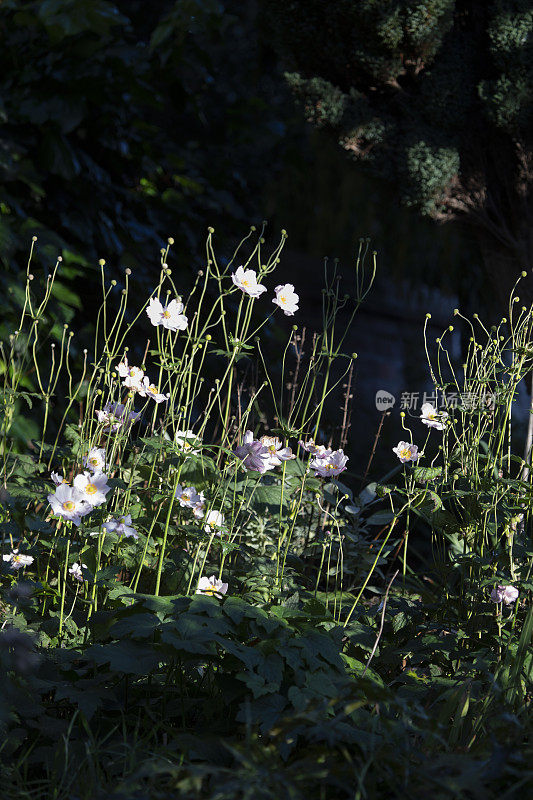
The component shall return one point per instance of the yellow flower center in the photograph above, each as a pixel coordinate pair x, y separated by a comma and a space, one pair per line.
245, 282
16, 559
91, 488
166, 314
68, 505
405, 453
122, 520
211, 589
283, 298
152, 389
93, 462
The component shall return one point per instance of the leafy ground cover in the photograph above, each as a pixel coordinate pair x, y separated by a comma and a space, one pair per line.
202, 597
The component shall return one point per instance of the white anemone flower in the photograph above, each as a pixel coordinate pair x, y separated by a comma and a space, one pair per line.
315, 449
69, 503
132, 375
406, 452
95, 459
150, 390
198, 510
212, 586
246, 279
214, 522
122, 526
18, 560
433, 418
330, 464
188, 496
277, 453
93, 487
286, 298
76, 571
169, 316
57, 478
187, 441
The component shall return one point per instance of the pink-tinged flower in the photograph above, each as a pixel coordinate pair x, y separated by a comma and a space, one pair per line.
150, 390
114, 416
121, 526
329, 465
95, 459
286, 298
188, 496
132, 375
504, 594
69, 503
92, 487
315, 449
18, 560
212, 586
254, 455
246, 279
433, 418
214, 522
276, 452
406, 452
76, 571
170, 316
57, 478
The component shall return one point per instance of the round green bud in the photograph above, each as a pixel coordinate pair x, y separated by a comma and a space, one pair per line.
523, 274
170, 240
102, 262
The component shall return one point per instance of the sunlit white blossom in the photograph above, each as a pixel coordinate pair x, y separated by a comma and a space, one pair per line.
93, 487
57, 478
504, 594
286, 298
198, 510
133, 376
18, 560
406, 452
246, 279
187, 441
212, 586
122, 526
433, 418
276, 452
168, 316
254, 455
187, 496
328, 465
149, 389
95, 460
76, 571
69, 503
315, 449
214, 522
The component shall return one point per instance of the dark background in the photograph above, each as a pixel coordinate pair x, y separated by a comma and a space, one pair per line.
124, 123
